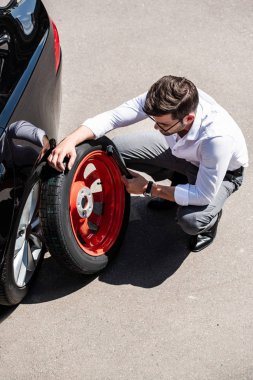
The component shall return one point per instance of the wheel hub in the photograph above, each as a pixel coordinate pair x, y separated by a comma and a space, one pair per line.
84, 202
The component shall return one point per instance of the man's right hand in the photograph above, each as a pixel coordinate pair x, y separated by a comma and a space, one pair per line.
66, 148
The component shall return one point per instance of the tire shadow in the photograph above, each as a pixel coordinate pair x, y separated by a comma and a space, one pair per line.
6, 311
53, 282
153, 250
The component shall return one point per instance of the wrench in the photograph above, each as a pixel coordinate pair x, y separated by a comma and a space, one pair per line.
112, 151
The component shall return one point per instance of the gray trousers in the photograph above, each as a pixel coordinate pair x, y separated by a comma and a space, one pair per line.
146, 151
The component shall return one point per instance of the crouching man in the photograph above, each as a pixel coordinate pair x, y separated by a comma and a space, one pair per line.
195, 143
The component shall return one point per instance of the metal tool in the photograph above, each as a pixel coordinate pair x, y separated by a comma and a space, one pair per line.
112, 151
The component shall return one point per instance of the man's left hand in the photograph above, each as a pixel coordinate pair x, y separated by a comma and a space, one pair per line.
45, 147
135, 185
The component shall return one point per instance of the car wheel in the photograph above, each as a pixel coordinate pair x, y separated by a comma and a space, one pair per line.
26, 246
85, 211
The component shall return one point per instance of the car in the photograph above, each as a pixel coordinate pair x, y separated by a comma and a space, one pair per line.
30, 100
80, 215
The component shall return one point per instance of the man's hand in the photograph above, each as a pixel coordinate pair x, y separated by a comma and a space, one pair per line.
66, 148
135, 185
45, 147
138, 184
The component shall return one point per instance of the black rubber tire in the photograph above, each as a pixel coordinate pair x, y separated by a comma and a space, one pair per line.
10, 293
55, 217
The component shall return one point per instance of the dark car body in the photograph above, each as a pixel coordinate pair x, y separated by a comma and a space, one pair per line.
30, 88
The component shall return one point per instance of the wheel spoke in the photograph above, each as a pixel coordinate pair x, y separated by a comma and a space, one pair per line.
20, 265
19, 240
98, 197
34, 201
28, 248
84, 229
92, 178
36, 244
26, 212
35, 223
18, 260
76, 187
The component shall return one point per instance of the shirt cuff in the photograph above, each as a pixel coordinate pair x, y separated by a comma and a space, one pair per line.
89, 124
182, 194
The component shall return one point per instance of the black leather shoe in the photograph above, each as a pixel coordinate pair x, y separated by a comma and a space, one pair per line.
201, 241
161, 204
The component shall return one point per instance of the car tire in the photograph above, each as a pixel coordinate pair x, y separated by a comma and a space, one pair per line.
26, 245
85, 211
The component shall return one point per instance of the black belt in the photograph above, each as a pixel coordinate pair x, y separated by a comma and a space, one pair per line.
237, 172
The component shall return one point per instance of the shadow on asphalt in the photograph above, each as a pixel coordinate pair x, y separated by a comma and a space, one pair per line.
153, 249
5, 312
52, 282
55, 282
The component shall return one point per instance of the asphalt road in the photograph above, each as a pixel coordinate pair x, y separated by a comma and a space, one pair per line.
158, 311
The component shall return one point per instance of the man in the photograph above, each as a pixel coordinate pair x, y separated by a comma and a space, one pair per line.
193, 136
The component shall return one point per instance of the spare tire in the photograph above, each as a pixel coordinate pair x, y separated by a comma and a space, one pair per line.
85, 211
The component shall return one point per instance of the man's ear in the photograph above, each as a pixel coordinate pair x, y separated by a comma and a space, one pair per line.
190, 117
188, 120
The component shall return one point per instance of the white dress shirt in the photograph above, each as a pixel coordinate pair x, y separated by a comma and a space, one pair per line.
214, 143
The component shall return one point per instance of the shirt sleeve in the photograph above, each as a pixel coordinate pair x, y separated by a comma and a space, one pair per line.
215, 156
127, 113
25, 130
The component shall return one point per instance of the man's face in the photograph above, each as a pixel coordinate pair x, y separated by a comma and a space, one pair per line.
168, 126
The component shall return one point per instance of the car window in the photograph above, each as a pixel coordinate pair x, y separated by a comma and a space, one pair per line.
22, 26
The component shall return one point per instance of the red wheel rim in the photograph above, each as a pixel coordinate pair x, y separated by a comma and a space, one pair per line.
97, 202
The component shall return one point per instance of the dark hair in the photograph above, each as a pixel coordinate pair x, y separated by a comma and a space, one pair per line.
174, 95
